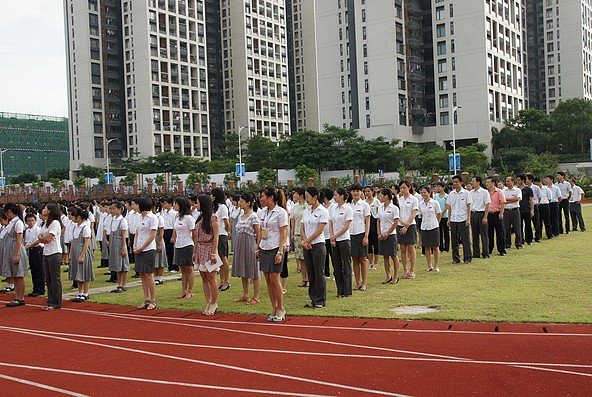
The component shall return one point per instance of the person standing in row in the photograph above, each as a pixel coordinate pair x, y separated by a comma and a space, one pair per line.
431, 214
221, 212
526, 209
554, 199
244, 243
512, 214
118, 254
145, 251
51, 230
442, 198
160, 262
81, 255
329, 205
169, 215
272, 244
314, 221
15, 264
359, 234
495, 217
565, 191
479, 215
575, 206
132, 218
340, 219
182, 238
234, 214
407, 229
295, 219
536, 198
388, 219
545, 208
459, 209
35, 253
373, 231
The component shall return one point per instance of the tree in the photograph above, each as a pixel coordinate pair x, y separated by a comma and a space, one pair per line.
473, 159
58, 173
24, 177
231, 177
541, 164
303, 173
260, 153
159, 180
197, 177
228, 149
88, 171
130, 178
267, 174
572, 124
306, 147
511, 160
80, 182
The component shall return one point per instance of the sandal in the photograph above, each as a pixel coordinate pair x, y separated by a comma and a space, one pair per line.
225, 289
16, 303
212, 309
206, 309
395, 281
387, 281
188, 295
242, 299
411, 275
429, 269
142, 306
151, 306
183, 295
362, 289
304, 284
253, 301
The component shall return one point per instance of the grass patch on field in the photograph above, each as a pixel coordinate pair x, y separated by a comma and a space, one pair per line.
546, 282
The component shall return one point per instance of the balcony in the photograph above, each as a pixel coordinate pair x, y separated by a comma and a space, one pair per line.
417, 129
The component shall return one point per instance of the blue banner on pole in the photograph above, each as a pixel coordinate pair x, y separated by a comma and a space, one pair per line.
3, 182
109, 178
451, 162
239, 169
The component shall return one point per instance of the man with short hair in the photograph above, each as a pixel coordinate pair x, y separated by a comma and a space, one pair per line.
536, 219
459, 210
526, 209
575, 206
554, 199
565, 189
512, 213
544, 208
479, 212
495, 218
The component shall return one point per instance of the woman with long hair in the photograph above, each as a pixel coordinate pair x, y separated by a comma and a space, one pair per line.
295, 218
15, 260
283, 203
118, 255
235, 213
431, 213
221, 211
360, 231
406, 230
145, 251
52, 254
160, 261
205, 255
388, 218
340, 219
81, 254
183, 229
244, 243
373, 231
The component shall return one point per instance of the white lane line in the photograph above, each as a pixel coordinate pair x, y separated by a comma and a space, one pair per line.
39, 385
207, 363
305, 353
161, 382
561, 371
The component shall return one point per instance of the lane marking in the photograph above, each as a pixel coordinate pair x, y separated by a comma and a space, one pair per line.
162, 382
556, 370
40, 385
207, 363
307, 353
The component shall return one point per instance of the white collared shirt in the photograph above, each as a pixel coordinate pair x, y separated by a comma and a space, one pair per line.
361, 210
84, 228
387, 216
564, 188
118, 222
338, 217
271, 223
555, 194
146, 225
311, 219
480, 199
374, 207
546, 194
32, 235
326, 232
536, 193
169, 218
458, 201
183, 231
406, 208
222, 215
54, 246
510, 194
132, 220
429, 212
576, 194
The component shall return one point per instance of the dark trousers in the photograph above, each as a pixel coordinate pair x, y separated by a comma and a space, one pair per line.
460, 230
526, 228
444, 235
536, 223
130, 249
554, 210
495, 225
104, 262
512, 221
284, 273
328, 258
53, 279
314, 260
479, 231
564, 206
545, 219
36, 265
342, 268
575, 210
170, 249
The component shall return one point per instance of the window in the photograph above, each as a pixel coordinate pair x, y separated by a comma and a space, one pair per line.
443, 83
443, 101
440, 13
440, 30
444, 118
442, 67
441, 48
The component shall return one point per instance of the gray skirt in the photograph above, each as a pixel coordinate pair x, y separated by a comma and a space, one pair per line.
358, 249
408, 238
145, 261
430, 238
160, 259
184, 256
266, 261
223, 246
388, 247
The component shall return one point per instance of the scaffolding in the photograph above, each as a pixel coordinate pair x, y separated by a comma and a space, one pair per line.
33, 143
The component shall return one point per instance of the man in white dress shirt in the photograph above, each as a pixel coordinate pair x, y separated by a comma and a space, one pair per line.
459, 208
479, 213
554, 199
575, 206
536, 196
565, 189
512, 220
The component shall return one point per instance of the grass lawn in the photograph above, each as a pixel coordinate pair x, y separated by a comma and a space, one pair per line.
546, 282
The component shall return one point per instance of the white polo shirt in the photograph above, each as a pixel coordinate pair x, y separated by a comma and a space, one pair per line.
480, 199
564, 188
510, 194
576, 194
311, 219
169, 218
146, 225
374, 207
118, 222
32, 235
222, 215
387, 216
546, 194
361, 210
406, 208
133, 218
54, 246
555, 194
183, 231
326, 232
83, 228
429, 213
536, 193
338, 217
458, 201
271, 223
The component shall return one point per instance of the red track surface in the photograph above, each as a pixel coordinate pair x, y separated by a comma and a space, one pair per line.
102, 350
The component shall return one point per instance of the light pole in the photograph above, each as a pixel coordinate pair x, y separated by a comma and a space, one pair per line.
2, 151
107, 152
454, 165
240, 155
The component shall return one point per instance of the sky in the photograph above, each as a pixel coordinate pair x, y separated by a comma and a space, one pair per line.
32, 57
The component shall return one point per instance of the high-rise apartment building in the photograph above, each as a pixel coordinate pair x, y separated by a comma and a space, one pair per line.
138, 75
560, 44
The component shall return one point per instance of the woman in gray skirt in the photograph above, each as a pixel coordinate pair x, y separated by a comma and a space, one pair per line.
431, 213
118, 256
160, 261
14, 255
81, 254
244, 243
388, 219
406, 230
145, 251
183, 229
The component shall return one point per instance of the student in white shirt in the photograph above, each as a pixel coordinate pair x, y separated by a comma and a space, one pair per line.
565, 189
235, 212
340, 219
52, 253
544, 208
459, 220
145, 250
479, 213
313, 223
407, 228
81, 256
329, 204
224, 234
183, 236
160, 261
132, 218
431, 214
575, 206
536, 195
554, 199
169, 214
360, 236
35, 252
118, 254
15, 264
512, 219
388, 220
373, 230
68, 232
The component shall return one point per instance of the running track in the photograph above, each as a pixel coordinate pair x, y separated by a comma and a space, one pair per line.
102, 350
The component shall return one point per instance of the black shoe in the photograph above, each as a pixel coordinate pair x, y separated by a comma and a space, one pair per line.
34, 294
136, 276
15, 303
502, 254
485, 256
467, 262
111, 281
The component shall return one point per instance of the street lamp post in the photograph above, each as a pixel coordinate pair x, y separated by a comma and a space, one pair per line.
454, 165
240, 155
107, 152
